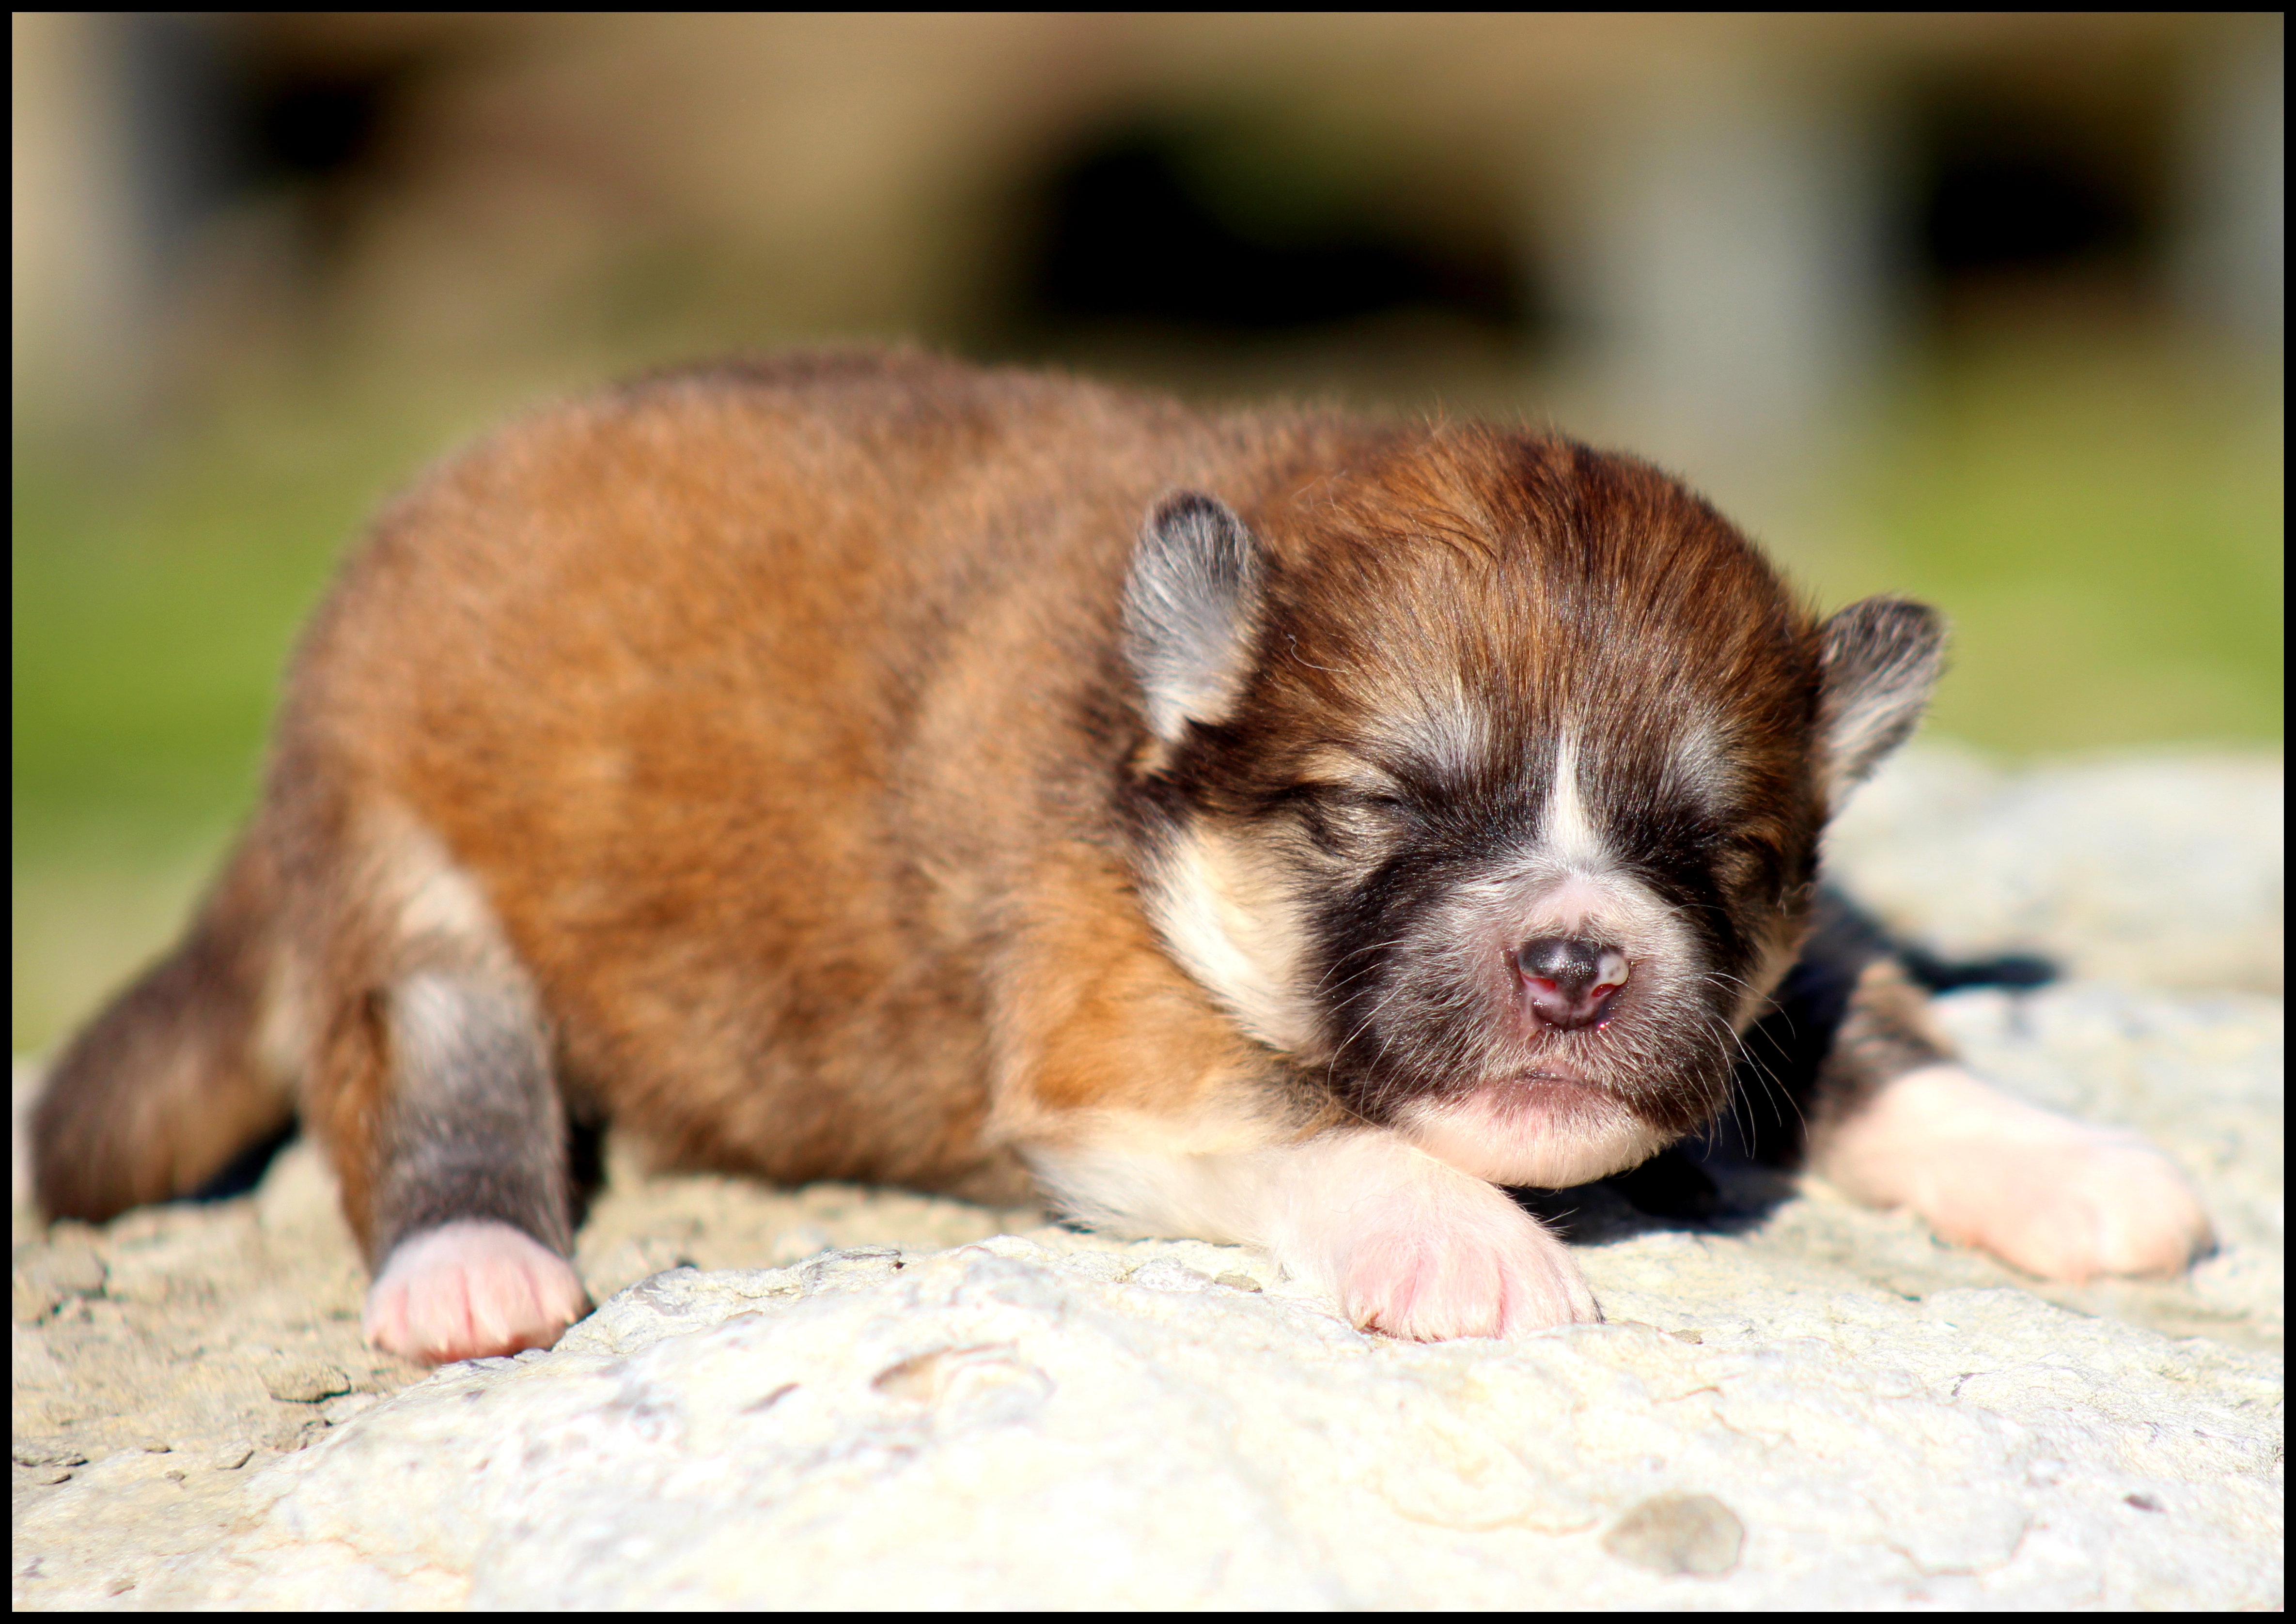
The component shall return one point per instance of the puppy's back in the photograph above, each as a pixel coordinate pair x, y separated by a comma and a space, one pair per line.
674, 674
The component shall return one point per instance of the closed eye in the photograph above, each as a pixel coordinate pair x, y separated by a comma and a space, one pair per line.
1351, 797
1337, 814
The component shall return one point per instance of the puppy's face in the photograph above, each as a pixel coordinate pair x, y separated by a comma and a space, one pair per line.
1489, 789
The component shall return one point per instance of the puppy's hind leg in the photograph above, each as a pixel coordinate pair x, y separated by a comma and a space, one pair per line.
467, 1199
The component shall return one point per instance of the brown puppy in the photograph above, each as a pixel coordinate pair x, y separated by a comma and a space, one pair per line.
821, 769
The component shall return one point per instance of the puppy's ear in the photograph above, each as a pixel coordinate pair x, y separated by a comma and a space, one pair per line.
1191, 606
1881, 657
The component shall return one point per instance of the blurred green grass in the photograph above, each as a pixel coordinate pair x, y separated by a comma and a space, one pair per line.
2103, 526
154, 597
2101, 520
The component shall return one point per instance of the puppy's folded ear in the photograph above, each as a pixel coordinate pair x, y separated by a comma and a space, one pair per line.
1191, 606
1880, 658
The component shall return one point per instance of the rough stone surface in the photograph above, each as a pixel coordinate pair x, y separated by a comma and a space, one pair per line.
878, 1399
297, 1381
1062, 1421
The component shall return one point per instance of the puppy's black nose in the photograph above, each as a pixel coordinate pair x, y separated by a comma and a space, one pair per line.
1569, 980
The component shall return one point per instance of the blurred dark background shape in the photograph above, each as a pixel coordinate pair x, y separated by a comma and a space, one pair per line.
1984, 308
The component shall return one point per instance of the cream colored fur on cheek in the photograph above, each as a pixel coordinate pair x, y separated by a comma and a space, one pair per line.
1225, 921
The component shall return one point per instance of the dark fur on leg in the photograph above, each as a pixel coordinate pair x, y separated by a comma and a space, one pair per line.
474, 1128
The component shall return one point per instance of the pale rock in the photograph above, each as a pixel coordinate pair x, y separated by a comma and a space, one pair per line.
2158, 868
1062, 1420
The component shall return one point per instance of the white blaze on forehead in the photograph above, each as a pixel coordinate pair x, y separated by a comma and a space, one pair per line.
1568, 835
1577, 886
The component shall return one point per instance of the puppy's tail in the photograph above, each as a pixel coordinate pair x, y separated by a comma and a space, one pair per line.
166, 1087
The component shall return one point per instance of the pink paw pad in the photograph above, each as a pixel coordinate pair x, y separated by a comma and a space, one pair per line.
471, 1289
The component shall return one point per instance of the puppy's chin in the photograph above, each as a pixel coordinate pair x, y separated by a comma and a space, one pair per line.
1547, 1132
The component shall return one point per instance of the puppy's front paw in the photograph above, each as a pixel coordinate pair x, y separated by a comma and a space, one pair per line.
2057, 1198
1479, 1279
1418, 1249
471, 1290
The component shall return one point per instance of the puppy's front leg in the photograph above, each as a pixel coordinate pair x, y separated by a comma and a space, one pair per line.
1406, 1244
1410, 1245
1900, 1122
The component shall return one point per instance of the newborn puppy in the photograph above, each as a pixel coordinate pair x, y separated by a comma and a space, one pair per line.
1280, 827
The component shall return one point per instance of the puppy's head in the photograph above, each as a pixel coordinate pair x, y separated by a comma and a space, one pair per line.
1486, 783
